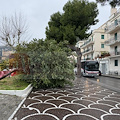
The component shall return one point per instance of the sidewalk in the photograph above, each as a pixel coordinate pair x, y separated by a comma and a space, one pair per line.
8, 104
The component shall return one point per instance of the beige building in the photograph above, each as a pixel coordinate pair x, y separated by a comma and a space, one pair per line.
79, 43
5, 52
113, 28
94, 46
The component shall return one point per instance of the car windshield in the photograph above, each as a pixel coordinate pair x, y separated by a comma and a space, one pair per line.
92, 66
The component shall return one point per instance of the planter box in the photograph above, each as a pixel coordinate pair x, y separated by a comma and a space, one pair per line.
21, 93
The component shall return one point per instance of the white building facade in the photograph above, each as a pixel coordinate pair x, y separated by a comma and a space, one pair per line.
113, 28
94, 46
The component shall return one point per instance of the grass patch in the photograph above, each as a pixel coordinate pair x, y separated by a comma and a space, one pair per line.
12, 83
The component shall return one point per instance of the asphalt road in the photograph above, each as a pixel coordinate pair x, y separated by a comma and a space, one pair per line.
108, 81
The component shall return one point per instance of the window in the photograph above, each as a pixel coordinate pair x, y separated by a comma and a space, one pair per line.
102, 45
102, 36
92, 56
87, 56
92, 47
0, 52
92, 38
116, 62
115, 50
115, 36
116, 22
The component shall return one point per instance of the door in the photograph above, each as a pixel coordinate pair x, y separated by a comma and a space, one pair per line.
103, 68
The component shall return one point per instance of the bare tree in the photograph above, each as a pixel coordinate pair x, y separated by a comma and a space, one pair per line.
12, 29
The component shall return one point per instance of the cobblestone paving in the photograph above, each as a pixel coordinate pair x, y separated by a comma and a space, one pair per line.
83, 101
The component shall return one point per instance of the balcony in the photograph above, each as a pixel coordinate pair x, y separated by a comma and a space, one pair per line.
115, 14
115, 54
87, 43
112, 41
113, 28
88, 58
87, 51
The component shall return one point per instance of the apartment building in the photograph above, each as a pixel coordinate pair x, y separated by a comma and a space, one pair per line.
113, 28
94, 46
79, 43
5, 52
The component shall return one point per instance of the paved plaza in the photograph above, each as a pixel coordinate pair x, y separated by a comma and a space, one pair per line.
84, 101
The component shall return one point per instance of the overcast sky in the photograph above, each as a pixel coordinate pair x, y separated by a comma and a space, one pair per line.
38, 13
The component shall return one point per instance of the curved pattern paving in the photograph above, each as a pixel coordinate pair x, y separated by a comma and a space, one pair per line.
23, 112
108, 102
95, 112
118, 105
85, 101
68, 98
101, 106
79, 117
59, 112
40, 117
110, 117
73, 106
115, 111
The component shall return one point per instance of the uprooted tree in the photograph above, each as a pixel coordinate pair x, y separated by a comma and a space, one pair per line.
49, 64
73, 24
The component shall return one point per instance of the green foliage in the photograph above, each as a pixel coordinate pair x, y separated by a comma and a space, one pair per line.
112, 3
55, 29
4, 64
105, 53
49, 63
75, 21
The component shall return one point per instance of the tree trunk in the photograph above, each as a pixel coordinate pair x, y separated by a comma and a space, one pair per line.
79, 55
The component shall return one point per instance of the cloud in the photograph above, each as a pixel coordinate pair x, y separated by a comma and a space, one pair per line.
38, 13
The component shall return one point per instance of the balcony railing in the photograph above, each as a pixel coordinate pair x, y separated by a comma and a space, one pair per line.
115, 53
88, 58
86, 43
87, 51
115, 14
112, 41
113, 27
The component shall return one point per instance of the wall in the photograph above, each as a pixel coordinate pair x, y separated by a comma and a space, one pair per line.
114, 68
106, 63
98, 41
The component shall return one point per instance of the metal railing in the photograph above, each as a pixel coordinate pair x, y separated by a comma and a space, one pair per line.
88, 50
112, 40
112, 27
114, 53
115, 14
86, 43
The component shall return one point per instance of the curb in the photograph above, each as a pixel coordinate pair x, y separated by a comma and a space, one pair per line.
10, 118
20, 93
118, 77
